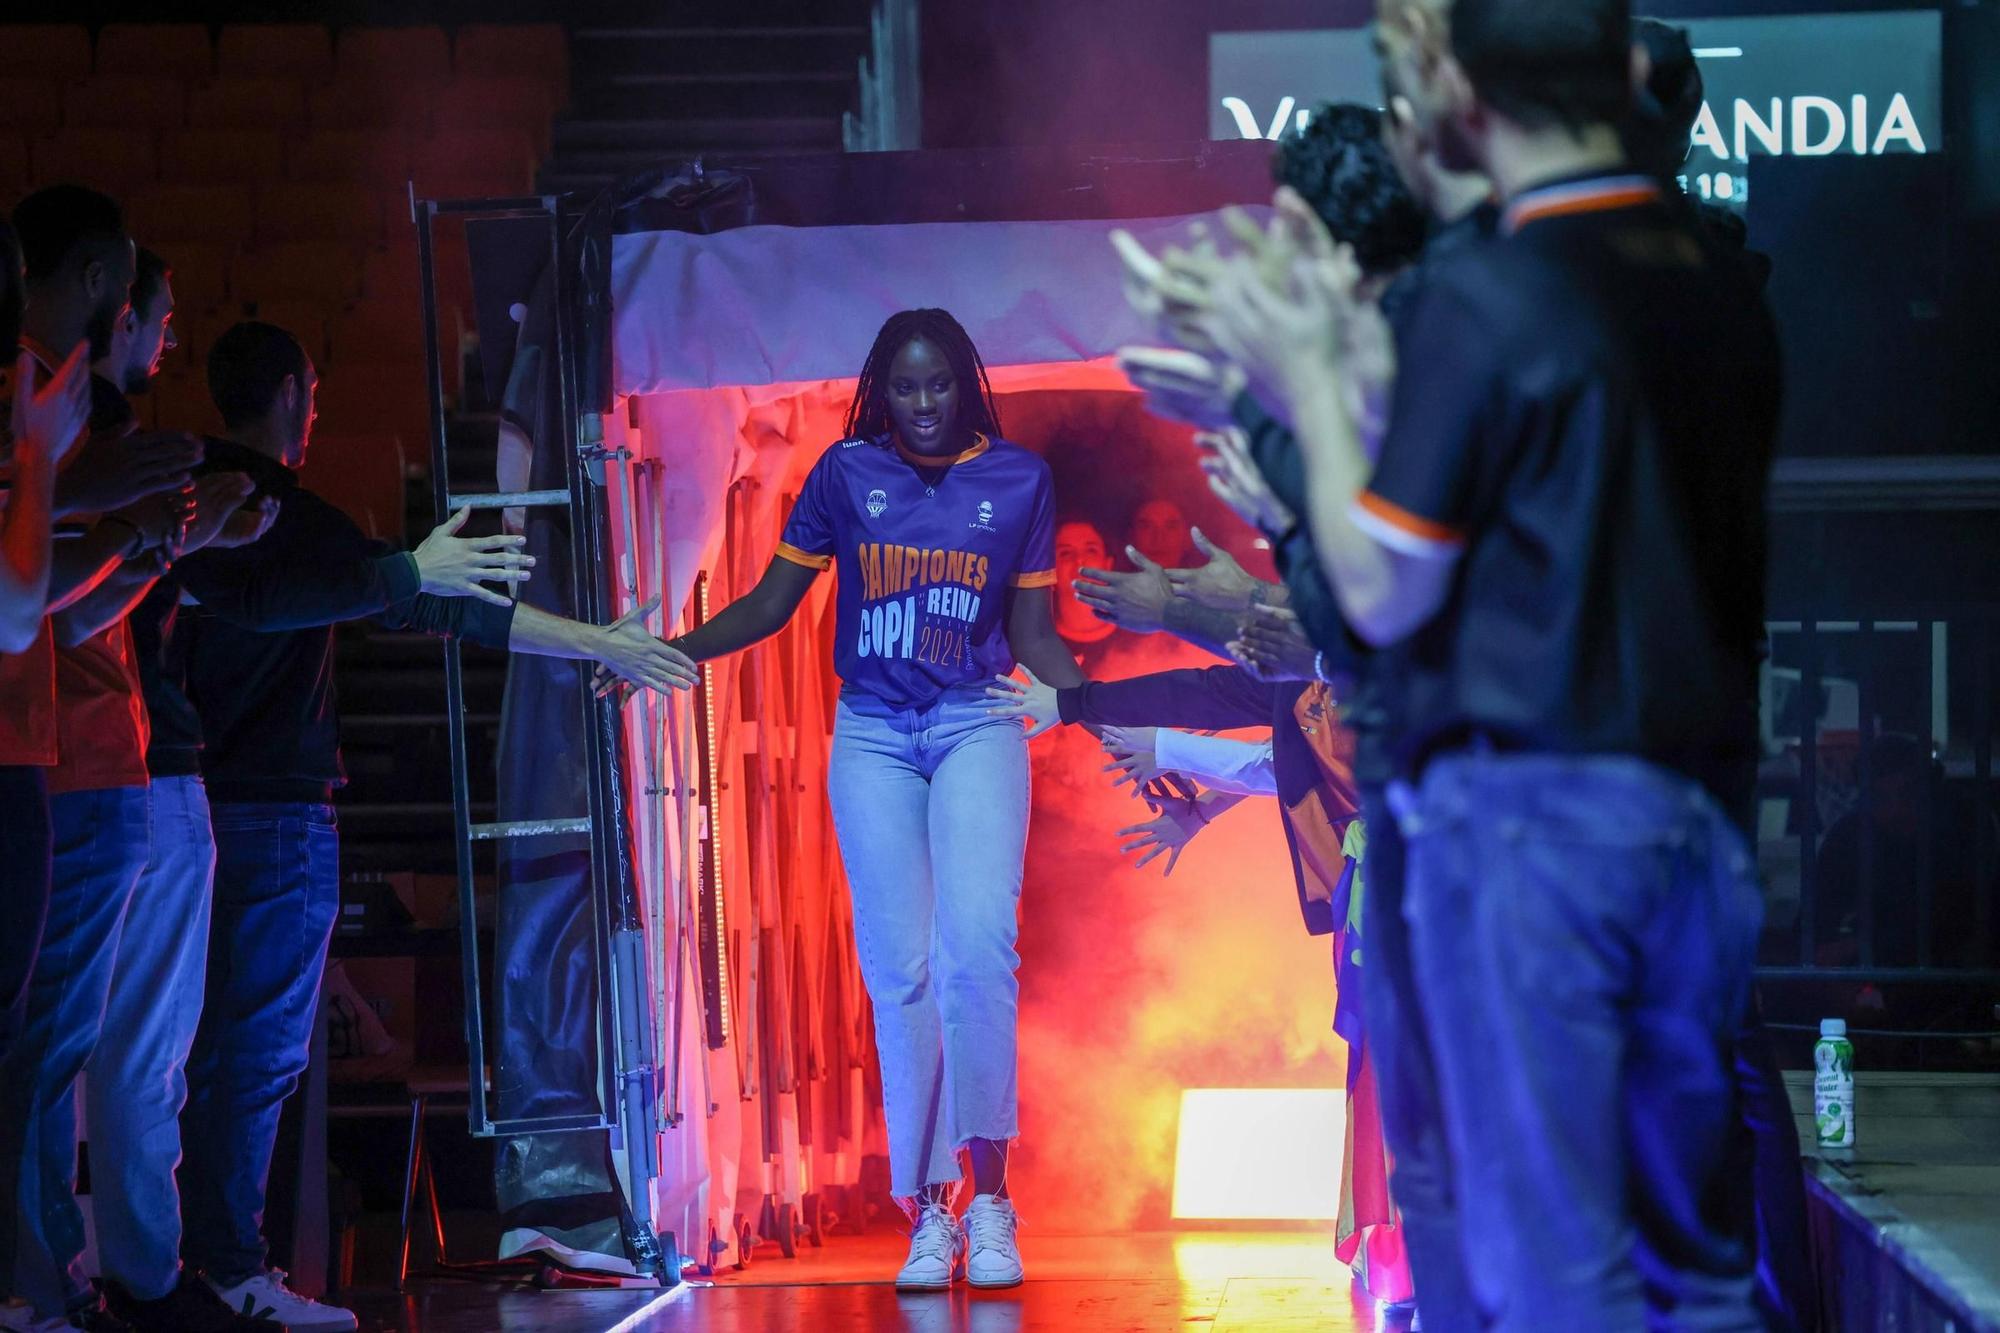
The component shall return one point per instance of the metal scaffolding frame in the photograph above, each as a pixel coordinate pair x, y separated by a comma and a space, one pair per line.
628, 1074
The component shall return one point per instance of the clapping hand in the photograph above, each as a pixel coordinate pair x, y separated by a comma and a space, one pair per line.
217, 497
111, 472
1181, 385
49, 418
1237, 481
1221, 584
247, 526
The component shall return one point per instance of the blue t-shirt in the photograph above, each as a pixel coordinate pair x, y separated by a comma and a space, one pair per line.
927, 550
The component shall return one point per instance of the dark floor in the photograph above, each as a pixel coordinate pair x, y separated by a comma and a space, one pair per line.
1230, 1283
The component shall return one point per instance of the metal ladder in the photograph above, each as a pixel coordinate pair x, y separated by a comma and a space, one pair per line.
628, 1077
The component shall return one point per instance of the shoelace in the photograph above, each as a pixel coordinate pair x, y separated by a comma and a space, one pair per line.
991, 1228
932, 1237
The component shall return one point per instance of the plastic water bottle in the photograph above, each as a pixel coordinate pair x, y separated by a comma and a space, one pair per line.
1833, 1085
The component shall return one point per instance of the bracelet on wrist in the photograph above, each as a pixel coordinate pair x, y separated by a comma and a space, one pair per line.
1319, 667
138, 544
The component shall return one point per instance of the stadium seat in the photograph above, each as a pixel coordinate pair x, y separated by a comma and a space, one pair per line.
223, 214
180, 50
304, 320
300, 270
320, 211
30, 104
502, 161
114, 160
221, 157
15, 170
45, 51
494, 103
368, 157
416, 54
538, 49
247, 104
201, 274
275, 50
361, 475
379, 329
359, 104
115, 101
181, 402
377, 397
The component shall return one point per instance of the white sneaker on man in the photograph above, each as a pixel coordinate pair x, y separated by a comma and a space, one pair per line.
266, 1297
994, 1256
937, 1250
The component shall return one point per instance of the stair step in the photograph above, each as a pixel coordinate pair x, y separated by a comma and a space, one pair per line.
709, 50
650, 97
611, 136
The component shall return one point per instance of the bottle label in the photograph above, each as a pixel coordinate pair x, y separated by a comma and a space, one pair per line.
1833, 1092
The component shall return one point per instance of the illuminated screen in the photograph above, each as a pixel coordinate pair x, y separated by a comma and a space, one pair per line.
1800, 85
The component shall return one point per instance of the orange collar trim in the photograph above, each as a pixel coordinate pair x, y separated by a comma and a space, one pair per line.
980, 444
1591, 196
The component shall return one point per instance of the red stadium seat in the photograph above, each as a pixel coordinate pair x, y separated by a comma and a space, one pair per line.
166, 213
304, 320
182, 50
45, 51
275, 50
377, 330
372, 157
539, 49
181, 402
357, 104
502, 161
15, 170
320, 211
328, 275
377, 397
247, 104
473, 105
417, 54
114, 160
361, 475
30, 104
116, 101
221, 157
201, 273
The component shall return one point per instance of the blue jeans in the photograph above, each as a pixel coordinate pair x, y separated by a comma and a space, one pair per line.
137, 1083
100, 849
277, 893
25, 838
1584, 931
1406, 1085
931, 807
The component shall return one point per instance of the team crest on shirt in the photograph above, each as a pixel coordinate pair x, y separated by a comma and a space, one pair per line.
877, 502
985, 520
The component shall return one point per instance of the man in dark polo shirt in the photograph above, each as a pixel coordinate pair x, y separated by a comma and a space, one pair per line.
255, 651
1566, 535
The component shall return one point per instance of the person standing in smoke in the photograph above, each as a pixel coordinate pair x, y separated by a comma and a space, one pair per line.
944, 537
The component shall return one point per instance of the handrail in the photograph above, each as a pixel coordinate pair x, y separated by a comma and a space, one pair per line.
890, 116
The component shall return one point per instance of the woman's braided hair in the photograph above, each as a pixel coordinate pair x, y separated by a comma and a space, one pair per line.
868, 415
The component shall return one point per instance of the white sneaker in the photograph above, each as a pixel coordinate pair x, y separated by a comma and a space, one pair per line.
937, 1250
994, 1255
267, 1297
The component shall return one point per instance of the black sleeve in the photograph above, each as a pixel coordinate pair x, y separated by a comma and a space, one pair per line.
1422, 495
314, 567
1275, 451
1206, 699
1316, 605
466, 618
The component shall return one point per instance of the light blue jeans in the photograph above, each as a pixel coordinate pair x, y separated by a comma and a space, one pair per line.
137, 1082
931, 807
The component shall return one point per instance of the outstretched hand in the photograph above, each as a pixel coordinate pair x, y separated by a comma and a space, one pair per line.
49, 417
1133, 756
1220, 584
1136, 601
1234, 477
453, 566
628, 650
1167, 835
1181, 385
1033, 702
1273, 646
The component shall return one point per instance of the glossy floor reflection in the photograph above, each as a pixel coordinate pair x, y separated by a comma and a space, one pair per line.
1236, 1282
